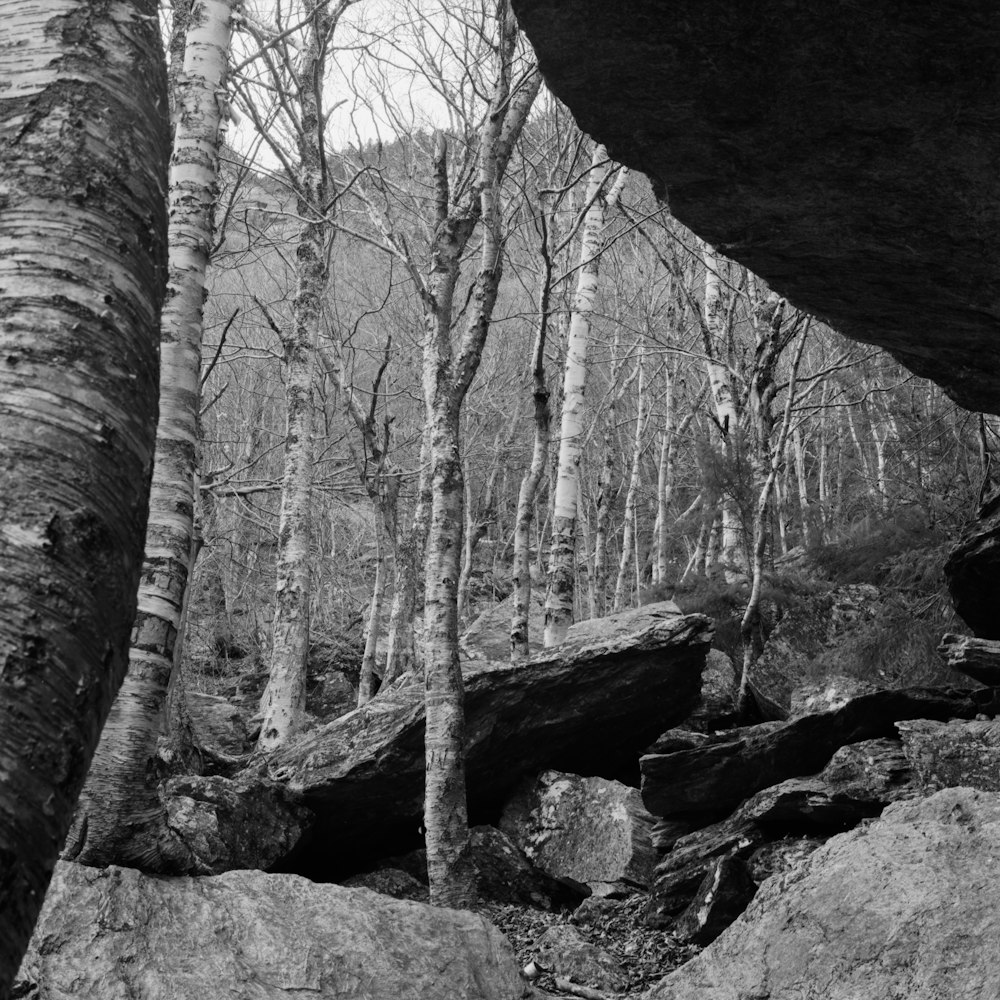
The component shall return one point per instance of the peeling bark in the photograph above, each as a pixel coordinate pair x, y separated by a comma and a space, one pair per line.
83, 151
283, 703
561, 586
119, 800
447, 377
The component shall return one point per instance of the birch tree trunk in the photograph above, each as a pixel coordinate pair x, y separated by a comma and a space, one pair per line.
800, 478
447, 378
724, 395
366, 682
559, 599
630, 535
283, 703
84, 143
767, 460
521, 570
598, 577
382, 480
400, 655
119, 804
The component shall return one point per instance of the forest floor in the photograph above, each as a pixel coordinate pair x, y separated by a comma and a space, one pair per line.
645, 954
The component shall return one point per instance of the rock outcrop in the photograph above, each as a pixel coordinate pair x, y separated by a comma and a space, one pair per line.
881, 913
973, 572
112, 934
847, 153
857, 784
588, 707
724, 769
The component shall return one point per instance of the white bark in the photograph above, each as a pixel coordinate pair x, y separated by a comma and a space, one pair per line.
115, 805
84, 144
283, 703
720, 380
801, 480
630, 536
561, 587
521, 570
447, 377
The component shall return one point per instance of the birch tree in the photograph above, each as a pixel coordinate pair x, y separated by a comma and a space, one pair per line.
521, 570
630, 533
447, 377
561, 583
767, 462
84, 143
720, 378
119, 805
293, 74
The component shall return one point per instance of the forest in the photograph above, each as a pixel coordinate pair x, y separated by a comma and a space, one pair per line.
425, 350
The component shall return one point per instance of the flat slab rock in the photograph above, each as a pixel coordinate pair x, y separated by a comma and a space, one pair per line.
115, 934
724, 769
908, 907
591, 830
586, 707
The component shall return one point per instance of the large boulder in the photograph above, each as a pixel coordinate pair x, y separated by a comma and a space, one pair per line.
115, 934
591, 830
908, 906
488, 637
587, 707
724, 769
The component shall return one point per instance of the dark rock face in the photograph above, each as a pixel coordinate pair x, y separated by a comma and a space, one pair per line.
722, 896
847, 153
588, 707
725, 769
973, 572
504, 875
857, 783
215, 824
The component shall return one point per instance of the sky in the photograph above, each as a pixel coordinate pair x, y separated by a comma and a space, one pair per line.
395, 66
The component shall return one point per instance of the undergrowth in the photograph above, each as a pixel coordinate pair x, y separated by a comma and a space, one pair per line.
892, 643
